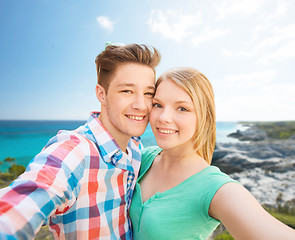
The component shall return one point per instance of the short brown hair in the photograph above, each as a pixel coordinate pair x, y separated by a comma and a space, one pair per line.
108, 61
200, 90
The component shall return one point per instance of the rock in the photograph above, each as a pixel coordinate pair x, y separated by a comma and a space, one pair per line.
266, 168
266, 187
252, 133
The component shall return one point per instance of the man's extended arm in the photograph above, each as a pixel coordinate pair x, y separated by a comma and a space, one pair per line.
47, 187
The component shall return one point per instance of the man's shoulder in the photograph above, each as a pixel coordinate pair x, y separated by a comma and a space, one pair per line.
68, 137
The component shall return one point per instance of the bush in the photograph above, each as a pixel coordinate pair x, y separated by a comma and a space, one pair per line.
16, 170
9, 159
224, 236
6, 176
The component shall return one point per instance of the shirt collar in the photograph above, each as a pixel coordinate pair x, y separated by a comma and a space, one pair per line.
107, 146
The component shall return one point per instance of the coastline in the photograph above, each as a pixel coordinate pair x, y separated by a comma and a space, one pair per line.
261, 158
262, 161
23, 140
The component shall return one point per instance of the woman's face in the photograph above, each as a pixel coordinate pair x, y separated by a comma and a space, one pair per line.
173, 117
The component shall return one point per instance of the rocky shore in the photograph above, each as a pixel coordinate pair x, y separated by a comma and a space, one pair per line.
263, 161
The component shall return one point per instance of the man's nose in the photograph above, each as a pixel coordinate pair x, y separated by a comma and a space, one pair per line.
140, 102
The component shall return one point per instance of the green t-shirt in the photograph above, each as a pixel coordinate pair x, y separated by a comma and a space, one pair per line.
180, 212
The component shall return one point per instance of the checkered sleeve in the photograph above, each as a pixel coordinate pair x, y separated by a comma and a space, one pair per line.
50, 185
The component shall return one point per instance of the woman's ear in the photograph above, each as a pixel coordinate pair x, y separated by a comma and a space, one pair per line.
100, 93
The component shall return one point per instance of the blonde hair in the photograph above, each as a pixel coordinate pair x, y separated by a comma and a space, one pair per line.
200, 90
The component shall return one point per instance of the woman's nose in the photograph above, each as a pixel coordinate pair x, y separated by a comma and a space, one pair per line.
165, 116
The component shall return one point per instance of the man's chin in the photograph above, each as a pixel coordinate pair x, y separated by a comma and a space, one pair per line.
136, 133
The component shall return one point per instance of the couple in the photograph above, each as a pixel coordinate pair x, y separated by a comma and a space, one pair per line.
82, 182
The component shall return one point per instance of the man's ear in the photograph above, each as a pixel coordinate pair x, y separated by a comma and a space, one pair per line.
100, 93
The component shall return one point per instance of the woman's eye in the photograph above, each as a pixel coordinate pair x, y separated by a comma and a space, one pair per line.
157, 105
182, 109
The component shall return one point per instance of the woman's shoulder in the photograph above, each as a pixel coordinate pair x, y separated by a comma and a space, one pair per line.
148, 155
147, 151
214, 176
209, 180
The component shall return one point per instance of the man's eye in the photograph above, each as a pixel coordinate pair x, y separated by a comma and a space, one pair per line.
149, 94
126, 91
157, 105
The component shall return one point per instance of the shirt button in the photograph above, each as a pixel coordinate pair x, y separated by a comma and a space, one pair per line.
117, 153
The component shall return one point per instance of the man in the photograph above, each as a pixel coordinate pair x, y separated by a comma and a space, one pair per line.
82, 181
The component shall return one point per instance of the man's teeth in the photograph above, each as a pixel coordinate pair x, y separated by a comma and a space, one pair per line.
138, 118
166, 131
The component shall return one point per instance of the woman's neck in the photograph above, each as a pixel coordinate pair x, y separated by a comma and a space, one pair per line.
179, 157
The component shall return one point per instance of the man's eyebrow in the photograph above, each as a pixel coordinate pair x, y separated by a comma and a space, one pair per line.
126, 85
151, 87
134, 85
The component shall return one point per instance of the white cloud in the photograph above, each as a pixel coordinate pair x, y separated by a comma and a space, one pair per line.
267, 99
173, 24
278, 44
208, 35
267, 105
242, 7
250, 80
286, 51
278, 34
280, 10
105, 23
226, 53
282, 91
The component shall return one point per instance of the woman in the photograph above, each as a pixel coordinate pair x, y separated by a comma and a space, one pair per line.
178, 194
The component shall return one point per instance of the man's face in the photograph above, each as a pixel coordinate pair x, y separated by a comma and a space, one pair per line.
128, 101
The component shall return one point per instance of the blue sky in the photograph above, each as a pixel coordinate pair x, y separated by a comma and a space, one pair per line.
245, 48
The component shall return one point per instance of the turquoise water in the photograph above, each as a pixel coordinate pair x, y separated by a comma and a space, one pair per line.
22, 140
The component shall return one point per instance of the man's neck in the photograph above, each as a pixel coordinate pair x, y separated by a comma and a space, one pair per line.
121, 139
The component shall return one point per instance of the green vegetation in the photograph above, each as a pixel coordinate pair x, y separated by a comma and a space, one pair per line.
9, 159
284, 213
13, 172
7, 177
44, 234
276, 130
16, 170
224, 236
285, 218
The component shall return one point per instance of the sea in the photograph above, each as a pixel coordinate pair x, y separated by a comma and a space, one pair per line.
23, 139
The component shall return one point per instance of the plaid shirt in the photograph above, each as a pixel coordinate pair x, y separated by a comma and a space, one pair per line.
81, 183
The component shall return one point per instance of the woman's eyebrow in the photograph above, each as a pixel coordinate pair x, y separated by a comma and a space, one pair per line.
186, 102
177, 102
